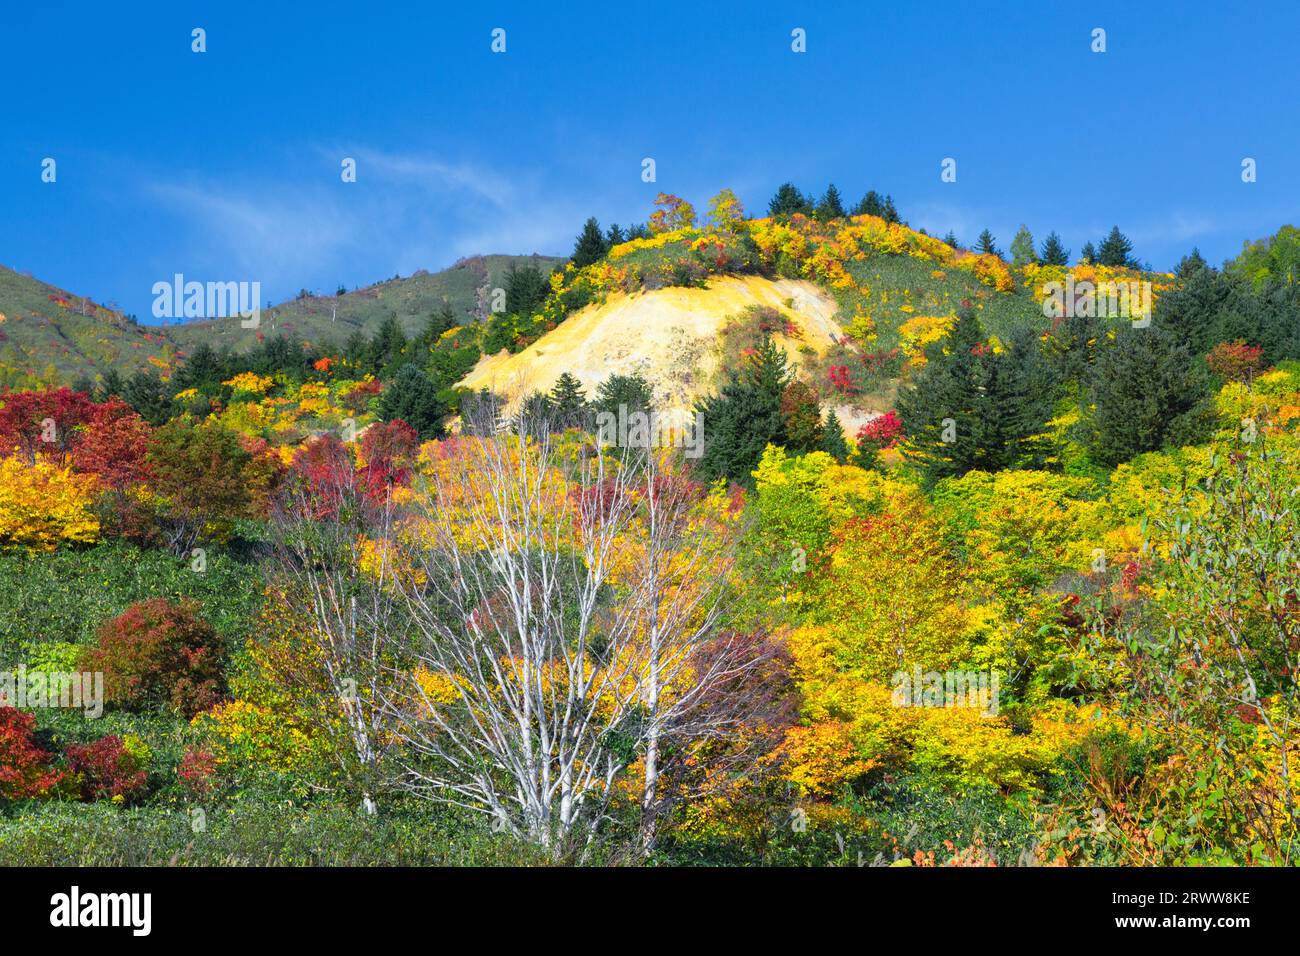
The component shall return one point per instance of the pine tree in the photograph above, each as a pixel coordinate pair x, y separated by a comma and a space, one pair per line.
833, 442
1053, 253
614, 236
386, 348
870, 205
744, 418
1116, 250
632, 392
412, 397
110, 386
526, 289
568, 403
830, 206
1089, 253
1022, 247
788, 201
951, 240
1190, 264
887, 211
985, 244
590, 245
972, 409
1146, 392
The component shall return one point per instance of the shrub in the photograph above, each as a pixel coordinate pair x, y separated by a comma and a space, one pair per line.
25, 770
157, 654
44, 505
108, 769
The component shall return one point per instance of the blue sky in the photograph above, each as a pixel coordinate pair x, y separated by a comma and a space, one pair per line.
225, 165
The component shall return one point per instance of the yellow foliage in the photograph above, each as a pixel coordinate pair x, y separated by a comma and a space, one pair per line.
44, 505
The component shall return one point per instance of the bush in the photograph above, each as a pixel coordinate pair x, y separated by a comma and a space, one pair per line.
157, 654
109, 768
25, 770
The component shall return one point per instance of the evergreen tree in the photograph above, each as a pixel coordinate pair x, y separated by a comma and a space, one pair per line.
1146, 391
203, 370
84, 385
1053, 253
386, 348
1115, 250
830, 206
788, 201
589, 247
870, 205
144, 392
744, 417
526, 289
110, 386
1022, 247
985, 244
1190, 264
614, 237
1089, 253
971, 409
413, 397
887, 211
833, 441
632, 392
951, 240
568, 402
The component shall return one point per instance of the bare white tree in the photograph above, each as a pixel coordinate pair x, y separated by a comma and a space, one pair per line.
336, 575
568, 606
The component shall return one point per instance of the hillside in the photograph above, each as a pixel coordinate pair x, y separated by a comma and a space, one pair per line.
319, 318
676, 337
48, 334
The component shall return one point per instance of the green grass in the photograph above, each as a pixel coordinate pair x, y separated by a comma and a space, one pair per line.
64, 595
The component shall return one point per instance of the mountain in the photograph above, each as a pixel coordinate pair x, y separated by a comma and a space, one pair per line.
466, 287
49, 335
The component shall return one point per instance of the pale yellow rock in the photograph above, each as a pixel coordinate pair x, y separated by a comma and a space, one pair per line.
671, 336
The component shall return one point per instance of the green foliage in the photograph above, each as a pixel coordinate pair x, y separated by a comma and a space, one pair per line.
589, 247
1146, 392
1053, 252
745, 417
1022, 247
414, 398
972, 409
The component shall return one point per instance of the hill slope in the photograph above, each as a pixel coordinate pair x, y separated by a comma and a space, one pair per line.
318, 318
48, 334
681, 339
51, 336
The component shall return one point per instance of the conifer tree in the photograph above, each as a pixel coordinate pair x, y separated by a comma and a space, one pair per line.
1053, 253
590, 245
1022, 247
985, 245
788, 201
745, 417
830, 206
833, 441
1116, 250
568, 402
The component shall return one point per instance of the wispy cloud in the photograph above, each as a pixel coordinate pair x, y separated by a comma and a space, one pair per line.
406, 211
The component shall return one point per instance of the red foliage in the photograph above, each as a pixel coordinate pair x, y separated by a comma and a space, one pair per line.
841, 380
389, 450
25, 771
325, 467
114, 446
1235, 361
106, 769
197, 771
43, 422
158, 654
883, 431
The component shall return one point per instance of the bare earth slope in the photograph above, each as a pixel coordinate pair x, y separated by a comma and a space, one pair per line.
671, 336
